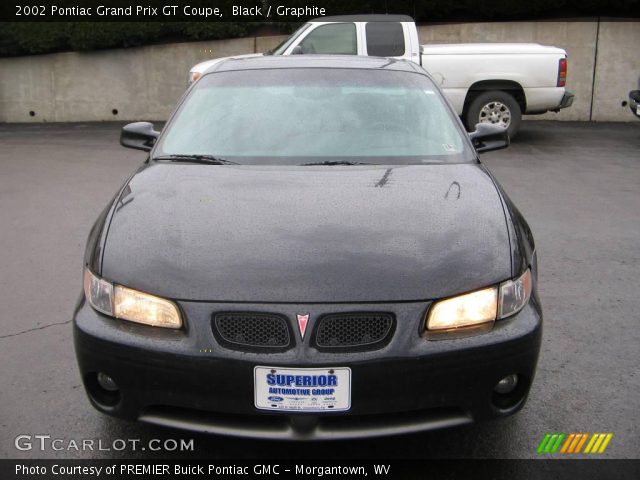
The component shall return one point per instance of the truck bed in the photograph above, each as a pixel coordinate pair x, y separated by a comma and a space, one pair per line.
487, 48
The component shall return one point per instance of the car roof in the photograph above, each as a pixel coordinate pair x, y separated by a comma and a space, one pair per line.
364, 18
315, 61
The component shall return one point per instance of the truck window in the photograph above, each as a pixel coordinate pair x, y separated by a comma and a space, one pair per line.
280, 49
385, 39
333, 38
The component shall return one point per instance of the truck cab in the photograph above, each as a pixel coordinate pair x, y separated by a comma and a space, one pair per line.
366, 35
394, 36
484, 83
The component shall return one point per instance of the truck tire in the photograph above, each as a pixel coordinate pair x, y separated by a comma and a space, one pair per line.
497, 107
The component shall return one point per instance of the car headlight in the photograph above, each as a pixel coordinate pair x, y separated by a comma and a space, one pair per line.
482, 306
473, 308
129, 304
514, 295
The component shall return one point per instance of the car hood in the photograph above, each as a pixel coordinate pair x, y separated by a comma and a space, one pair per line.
308, 234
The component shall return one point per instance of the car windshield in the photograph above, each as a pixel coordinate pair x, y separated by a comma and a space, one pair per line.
303, 116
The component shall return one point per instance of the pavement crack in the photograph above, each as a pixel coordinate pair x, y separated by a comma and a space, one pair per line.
34, 329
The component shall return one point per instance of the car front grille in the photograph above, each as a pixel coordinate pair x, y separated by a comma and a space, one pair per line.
357, 331
252, 331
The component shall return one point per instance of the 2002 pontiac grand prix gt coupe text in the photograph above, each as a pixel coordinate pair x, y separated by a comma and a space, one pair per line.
312, 250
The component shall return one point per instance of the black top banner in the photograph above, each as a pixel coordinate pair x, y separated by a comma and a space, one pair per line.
164, 11
302, 10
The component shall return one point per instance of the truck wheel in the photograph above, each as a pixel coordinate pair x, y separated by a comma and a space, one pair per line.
495, 107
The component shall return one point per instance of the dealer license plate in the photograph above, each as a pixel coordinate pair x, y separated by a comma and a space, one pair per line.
302, 389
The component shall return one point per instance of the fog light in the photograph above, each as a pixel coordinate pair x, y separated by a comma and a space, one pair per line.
106, 382
507, 384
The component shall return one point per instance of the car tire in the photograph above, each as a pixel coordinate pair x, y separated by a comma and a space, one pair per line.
495, 107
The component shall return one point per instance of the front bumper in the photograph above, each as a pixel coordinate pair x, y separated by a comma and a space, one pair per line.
186, 379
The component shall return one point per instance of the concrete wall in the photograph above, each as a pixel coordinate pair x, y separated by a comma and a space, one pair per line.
138, 83
617, 69
146, 82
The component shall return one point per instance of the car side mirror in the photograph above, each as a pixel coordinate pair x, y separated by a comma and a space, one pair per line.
138, 135
297, 50
488, 136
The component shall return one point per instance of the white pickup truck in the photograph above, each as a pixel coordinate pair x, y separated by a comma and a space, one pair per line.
485, 82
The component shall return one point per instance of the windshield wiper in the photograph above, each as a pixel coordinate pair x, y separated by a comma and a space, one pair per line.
335, 162
195, 158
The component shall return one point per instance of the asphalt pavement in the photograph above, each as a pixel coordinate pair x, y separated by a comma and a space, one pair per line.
578, 185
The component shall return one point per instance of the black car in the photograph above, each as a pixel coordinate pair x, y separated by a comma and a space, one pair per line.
312, 250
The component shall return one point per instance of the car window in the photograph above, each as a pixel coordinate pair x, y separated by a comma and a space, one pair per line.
333, 38
303, 115
385, 39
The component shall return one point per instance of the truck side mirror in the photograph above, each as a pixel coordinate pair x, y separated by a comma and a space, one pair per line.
138, 135
488, 136
297, 50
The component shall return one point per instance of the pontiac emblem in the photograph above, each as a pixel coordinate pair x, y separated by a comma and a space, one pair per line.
302, 324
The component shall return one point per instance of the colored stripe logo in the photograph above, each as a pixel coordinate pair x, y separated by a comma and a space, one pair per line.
573, 443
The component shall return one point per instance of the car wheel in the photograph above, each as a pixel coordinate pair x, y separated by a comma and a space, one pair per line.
497, 107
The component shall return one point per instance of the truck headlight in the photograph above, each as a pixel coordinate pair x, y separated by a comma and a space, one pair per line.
194, 77
482, 306
129, 304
